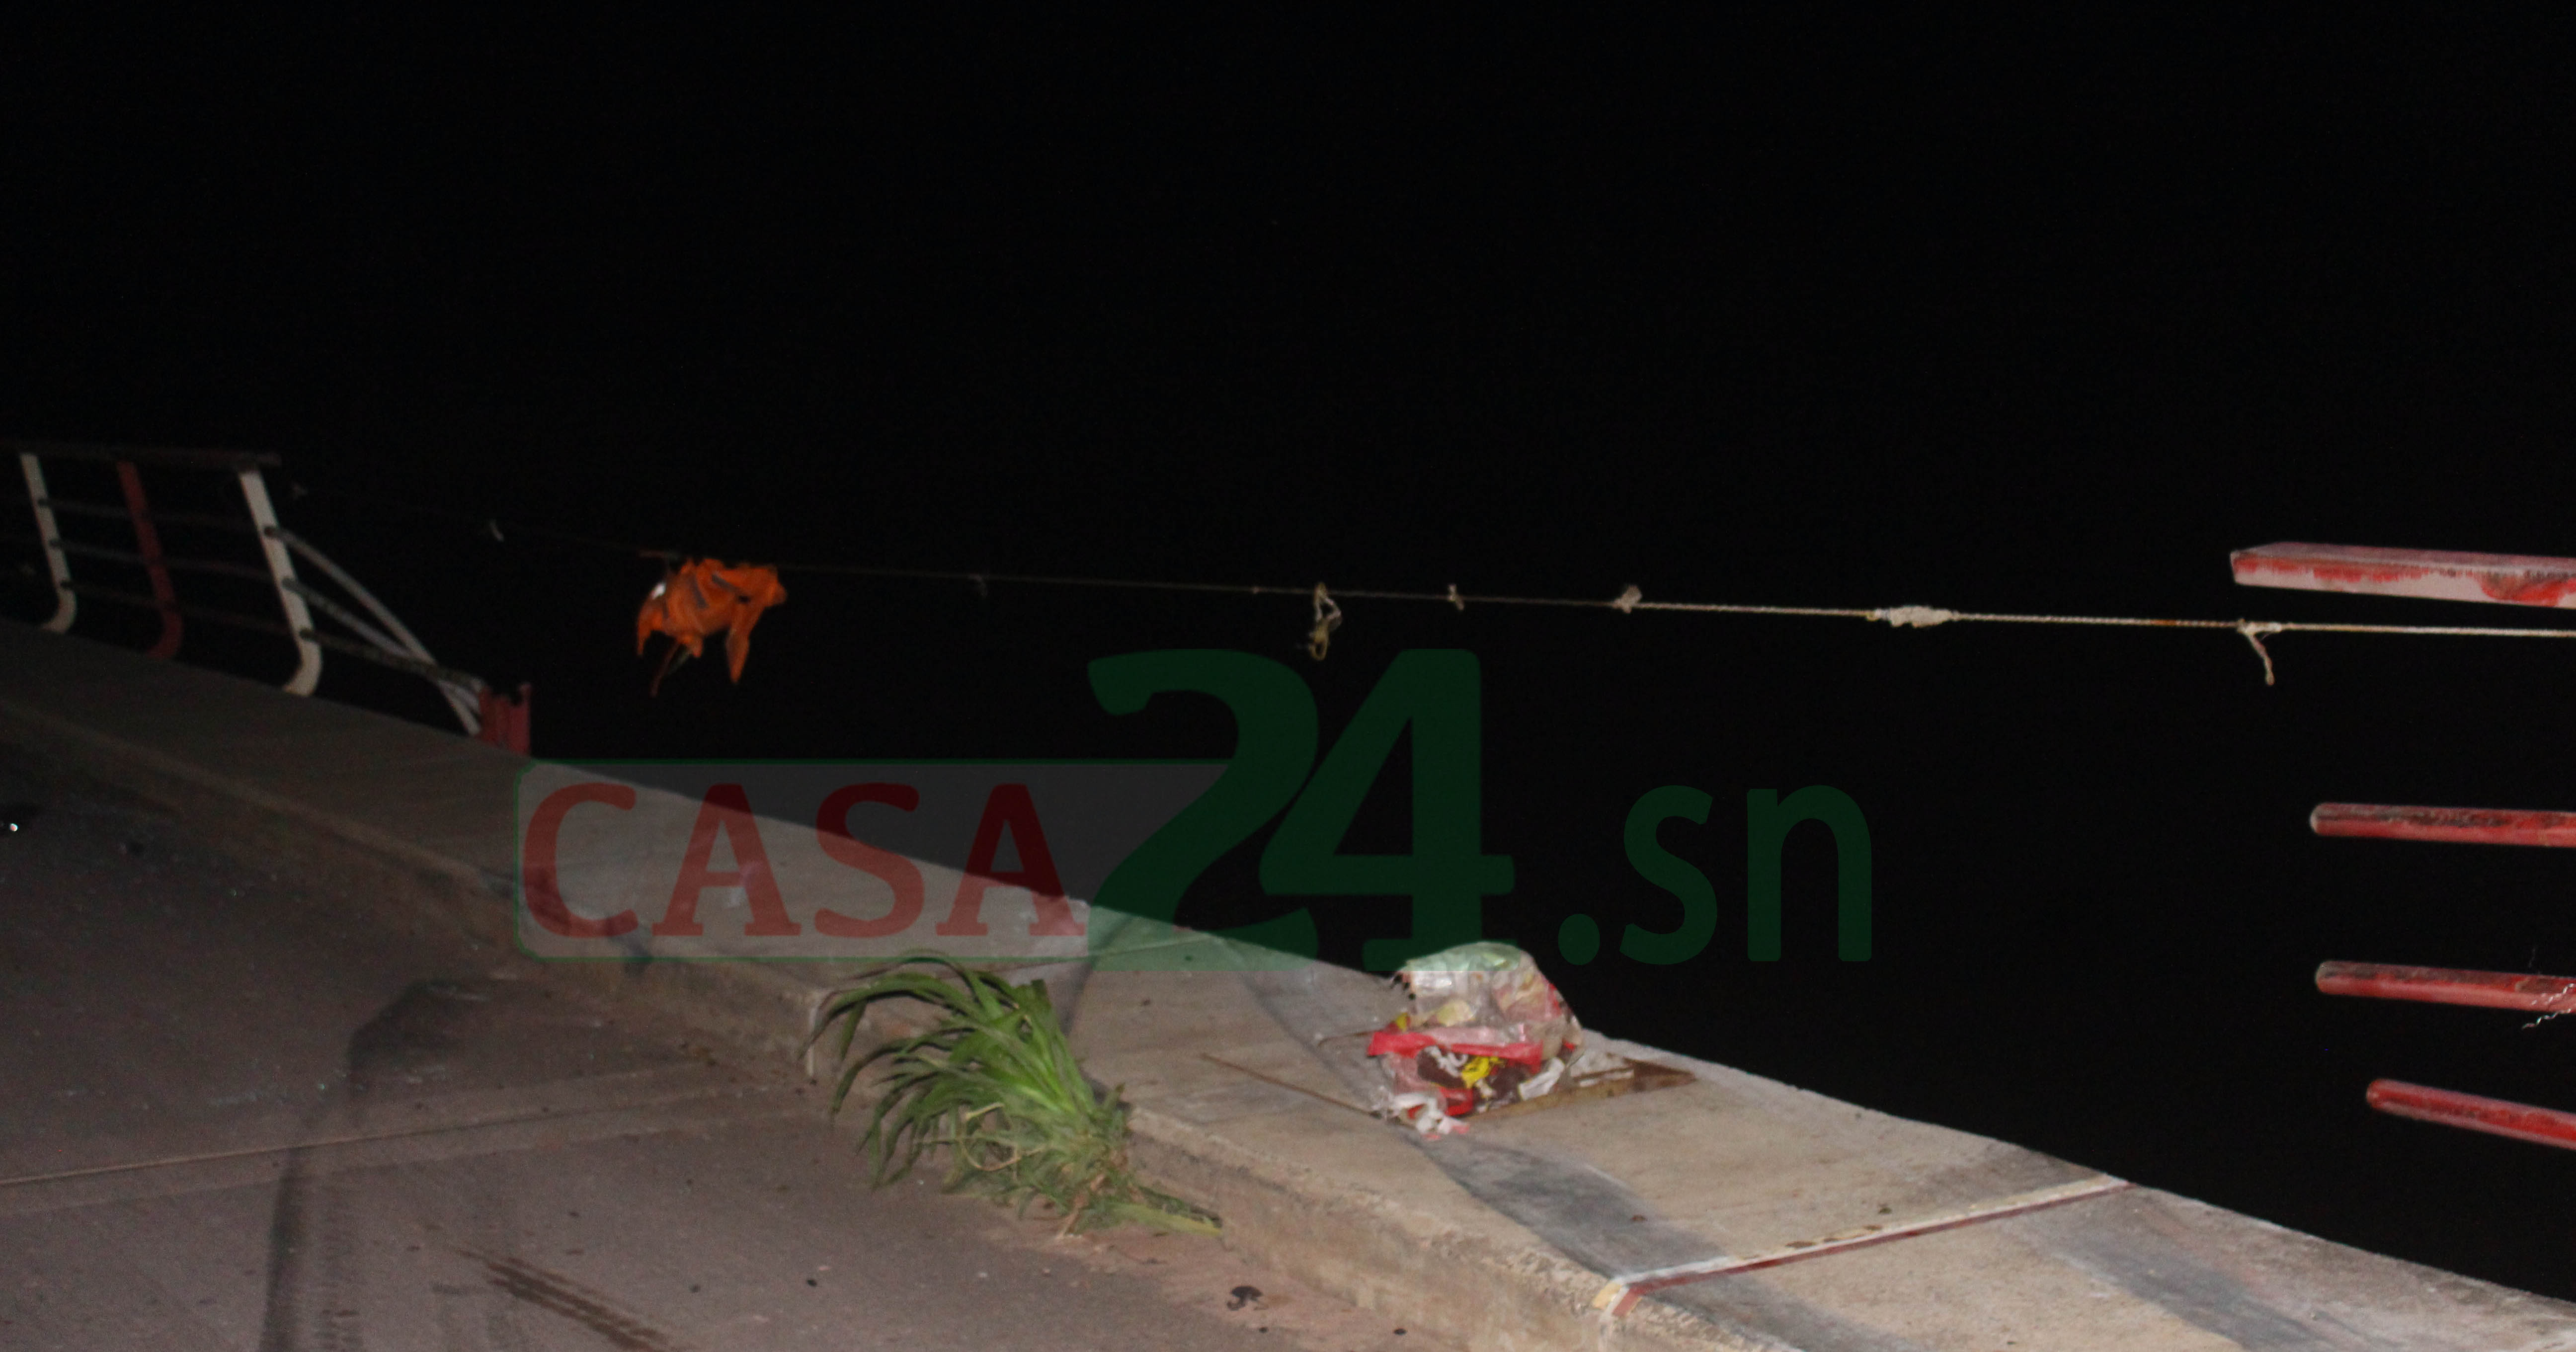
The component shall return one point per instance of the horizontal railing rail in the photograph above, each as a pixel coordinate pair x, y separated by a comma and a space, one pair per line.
182, 456
165, 518
211, 566
235, 619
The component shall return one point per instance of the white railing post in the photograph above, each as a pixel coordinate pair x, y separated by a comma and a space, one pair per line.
66, 604
281, 570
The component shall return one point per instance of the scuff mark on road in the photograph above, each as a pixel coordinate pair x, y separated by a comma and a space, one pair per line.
552, 1291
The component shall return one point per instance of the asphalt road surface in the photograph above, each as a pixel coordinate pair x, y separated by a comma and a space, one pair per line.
238, 1117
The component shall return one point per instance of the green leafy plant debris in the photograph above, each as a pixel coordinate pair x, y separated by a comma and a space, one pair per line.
995, 1085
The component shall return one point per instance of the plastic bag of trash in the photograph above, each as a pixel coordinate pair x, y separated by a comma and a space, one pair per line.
1485, 1031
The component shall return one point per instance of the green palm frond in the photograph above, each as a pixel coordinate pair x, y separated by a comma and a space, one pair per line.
995, 1086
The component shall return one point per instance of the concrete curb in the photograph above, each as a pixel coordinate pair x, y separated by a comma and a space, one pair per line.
1381, 1254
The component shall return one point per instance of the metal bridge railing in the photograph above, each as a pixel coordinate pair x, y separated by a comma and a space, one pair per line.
381, 638
2509, 579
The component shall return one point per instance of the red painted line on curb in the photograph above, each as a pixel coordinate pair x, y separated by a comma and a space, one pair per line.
1622, 1294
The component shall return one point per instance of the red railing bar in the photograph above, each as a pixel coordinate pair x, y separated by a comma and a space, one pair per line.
2496, 1117
2456, 825
2433, 574
147, 542
2449, 986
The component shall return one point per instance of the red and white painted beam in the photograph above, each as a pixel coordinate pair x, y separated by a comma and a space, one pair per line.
2450, 986
2496, 1117
2434, 574
2458, 825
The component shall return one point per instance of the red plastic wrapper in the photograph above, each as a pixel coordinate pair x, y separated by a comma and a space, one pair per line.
1486, 1030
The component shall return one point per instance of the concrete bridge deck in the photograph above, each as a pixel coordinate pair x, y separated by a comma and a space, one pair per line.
1248, 1092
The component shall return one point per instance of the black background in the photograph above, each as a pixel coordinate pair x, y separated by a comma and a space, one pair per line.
2011, 313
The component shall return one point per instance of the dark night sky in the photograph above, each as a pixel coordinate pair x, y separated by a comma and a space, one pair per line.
2001, 313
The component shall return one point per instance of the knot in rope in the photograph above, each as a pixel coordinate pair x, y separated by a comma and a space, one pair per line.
1914, 617
1328, 617
1627, 602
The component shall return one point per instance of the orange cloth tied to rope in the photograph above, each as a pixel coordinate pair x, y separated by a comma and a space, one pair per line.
698, 599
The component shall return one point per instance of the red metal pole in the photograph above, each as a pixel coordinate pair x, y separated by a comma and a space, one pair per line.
2449, 986
147, 542
2521, 1121
2458, 825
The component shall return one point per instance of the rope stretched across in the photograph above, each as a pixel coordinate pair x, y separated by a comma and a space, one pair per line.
1629, 601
